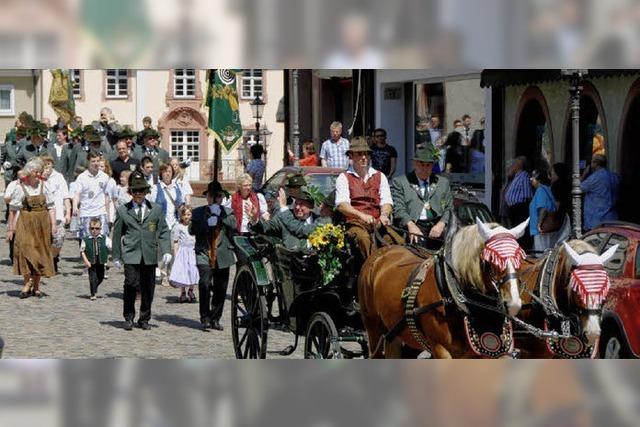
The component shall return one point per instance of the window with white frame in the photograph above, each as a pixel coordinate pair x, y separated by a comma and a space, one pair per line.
184, 83
252, 84
7, 100
117, 83
185, 144
77, 83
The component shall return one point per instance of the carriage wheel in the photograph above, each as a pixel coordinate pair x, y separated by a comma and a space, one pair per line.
249, 324
321, 340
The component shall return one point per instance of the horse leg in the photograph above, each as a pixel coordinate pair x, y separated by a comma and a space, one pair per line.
373, 326
393, 349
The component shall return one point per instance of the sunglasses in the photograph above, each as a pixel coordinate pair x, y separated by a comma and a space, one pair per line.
95, 228
138, 191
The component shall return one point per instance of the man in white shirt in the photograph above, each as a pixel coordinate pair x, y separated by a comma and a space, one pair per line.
57, 186
91, 196
363, 196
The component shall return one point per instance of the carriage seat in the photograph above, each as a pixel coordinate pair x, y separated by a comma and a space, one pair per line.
299, 266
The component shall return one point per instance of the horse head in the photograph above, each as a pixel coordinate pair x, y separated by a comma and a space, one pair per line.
486, 256
588, 285
503, 255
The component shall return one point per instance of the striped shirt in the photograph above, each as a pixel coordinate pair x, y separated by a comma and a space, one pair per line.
520, 189
335, 153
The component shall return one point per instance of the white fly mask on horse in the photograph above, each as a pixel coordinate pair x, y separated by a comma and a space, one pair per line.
502, 251
590, 282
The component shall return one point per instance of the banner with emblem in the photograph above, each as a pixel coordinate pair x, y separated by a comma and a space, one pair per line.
61, 95
222, 100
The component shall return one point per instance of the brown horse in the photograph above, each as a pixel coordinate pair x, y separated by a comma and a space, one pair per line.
383, 280
563, 290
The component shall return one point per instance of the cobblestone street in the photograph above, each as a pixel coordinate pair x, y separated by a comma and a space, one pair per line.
67, 324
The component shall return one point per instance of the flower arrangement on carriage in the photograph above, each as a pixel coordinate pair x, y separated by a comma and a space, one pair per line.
329, 243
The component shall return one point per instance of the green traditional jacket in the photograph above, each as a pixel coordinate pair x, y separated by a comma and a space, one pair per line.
10, 151
294, 232
225, 256
408, 201
161, 156
135, 241
60, 163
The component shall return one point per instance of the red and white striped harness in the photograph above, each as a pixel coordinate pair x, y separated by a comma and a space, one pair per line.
591, 283
501, 248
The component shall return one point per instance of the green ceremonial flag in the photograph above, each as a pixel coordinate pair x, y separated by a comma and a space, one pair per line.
61, 95
222, 100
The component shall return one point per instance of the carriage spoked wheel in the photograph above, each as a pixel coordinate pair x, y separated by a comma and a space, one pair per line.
249, 320
321, 340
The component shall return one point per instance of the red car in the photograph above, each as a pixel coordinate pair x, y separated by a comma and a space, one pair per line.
620, 325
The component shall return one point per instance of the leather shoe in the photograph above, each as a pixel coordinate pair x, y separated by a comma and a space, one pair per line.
206, 325
216, 325
128, 325
144, 326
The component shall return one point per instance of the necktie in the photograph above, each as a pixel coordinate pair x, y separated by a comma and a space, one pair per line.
423, 188
139, 214
95, 250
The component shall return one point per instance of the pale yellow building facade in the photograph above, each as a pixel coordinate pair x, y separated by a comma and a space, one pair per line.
174, 99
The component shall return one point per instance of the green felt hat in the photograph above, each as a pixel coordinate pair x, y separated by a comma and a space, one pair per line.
428, 153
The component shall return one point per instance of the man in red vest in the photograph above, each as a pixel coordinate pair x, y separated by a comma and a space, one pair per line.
364, 198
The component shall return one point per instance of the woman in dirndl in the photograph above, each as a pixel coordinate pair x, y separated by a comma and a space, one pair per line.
32, 224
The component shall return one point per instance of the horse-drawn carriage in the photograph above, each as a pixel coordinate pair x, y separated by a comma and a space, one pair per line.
476, 297
270, 278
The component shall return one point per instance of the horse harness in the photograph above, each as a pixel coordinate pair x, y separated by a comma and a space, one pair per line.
482, 343
563, 343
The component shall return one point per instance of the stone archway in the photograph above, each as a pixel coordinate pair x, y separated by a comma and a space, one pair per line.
533, 136
187, 119
629, 154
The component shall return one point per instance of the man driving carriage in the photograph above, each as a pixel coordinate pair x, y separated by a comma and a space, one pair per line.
293, 225
423, 201
364, 198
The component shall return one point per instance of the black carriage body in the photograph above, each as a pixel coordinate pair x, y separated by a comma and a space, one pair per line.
293, 280
302, 293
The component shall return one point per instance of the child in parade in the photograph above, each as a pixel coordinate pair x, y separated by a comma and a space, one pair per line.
94, 250
184, 273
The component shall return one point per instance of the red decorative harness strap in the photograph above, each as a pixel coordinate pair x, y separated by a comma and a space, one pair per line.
501, 248
591, 284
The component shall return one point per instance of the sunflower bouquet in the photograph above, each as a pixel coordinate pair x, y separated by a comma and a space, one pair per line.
328, 242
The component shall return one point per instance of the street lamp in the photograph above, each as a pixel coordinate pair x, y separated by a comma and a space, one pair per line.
575, 90
257, 109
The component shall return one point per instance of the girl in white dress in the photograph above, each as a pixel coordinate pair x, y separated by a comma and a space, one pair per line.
184, 272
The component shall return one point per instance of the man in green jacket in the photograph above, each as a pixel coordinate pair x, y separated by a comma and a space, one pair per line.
422, 201
140, 233
293, 225
151, 149
213, 226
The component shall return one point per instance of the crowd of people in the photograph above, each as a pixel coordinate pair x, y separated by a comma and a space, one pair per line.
543, 194
117, 192
460, 151
123, 196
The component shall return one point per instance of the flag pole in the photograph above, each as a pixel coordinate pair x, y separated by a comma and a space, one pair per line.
216, 146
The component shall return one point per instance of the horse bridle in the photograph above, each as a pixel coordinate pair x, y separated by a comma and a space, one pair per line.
497, 283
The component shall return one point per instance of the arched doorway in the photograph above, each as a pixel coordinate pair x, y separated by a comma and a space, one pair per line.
533, 130
630, 155
593, 129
